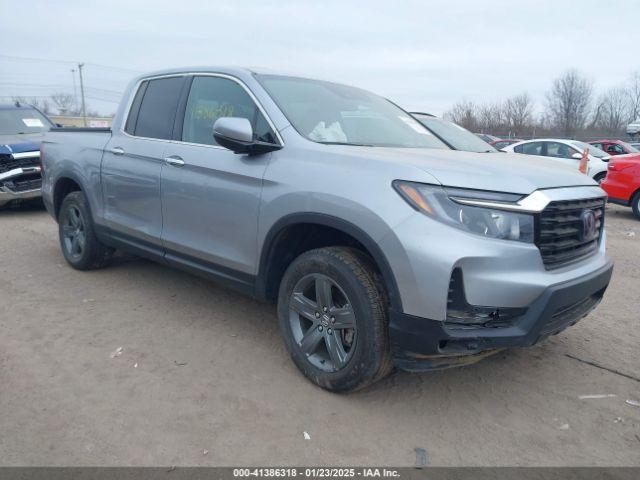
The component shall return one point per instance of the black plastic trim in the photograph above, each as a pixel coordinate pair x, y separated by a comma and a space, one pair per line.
81, 129
425, 344
228, 277
339, 224
619, 201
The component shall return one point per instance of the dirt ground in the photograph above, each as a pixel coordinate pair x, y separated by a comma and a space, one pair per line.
203, 377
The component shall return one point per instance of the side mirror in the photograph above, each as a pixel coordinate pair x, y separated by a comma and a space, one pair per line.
576, 156
236, 134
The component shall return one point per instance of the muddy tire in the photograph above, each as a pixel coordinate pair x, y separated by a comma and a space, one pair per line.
332, 311
78, 241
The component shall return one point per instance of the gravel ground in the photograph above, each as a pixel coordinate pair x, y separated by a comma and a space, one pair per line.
203, 378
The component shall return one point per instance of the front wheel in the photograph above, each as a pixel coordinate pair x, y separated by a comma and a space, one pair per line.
80, 246
333, 317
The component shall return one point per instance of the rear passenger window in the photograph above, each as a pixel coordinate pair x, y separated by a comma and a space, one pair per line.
559, 150
130, 126
213, 97
158, 108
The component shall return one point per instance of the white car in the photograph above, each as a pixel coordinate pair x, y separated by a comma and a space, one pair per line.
633, 128
568, 152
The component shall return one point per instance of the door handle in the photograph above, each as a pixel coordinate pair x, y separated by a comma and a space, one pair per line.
117, 151
174, 160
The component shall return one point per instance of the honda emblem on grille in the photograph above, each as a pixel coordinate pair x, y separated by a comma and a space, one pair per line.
589, 228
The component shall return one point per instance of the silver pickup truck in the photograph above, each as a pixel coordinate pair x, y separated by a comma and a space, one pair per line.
381, 246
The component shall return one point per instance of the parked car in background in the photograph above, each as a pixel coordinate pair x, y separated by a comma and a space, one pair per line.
622, 183
380, 245
568, 152
614, 147
635, 145
22, 128
486, 137
455, 136
633, 128
504, 142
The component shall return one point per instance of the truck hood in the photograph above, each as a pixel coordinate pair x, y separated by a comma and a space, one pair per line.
32, 140
19, 143
500, 172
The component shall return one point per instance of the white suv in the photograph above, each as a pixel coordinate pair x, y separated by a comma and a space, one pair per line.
568, 152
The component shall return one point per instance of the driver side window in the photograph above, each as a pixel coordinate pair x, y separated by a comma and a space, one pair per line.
213, 97
559, 150
615, 149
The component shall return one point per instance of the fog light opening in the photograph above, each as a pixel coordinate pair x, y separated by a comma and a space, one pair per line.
460, 313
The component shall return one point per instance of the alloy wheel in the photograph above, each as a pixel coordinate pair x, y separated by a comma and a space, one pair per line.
73, 233
323, 322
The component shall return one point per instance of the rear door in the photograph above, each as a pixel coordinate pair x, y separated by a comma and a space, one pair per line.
211, 196
133, 161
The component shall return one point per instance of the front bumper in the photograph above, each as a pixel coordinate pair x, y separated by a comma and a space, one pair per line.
420, 344
21, 182
7, 195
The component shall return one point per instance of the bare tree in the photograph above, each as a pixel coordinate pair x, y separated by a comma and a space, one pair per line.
64, 102
490, 117
612, 111
40, 103
518, 113
568, 102
464, 113
633, 96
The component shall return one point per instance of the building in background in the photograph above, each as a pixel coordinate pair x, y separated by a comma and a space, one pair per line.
73, 121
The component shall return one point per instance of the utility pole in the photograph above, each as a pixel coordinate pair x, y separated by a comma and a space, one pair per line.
75, 89
84, 111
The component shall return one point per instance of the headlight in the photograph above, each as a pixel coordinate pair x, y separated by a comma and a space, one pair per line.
437, 203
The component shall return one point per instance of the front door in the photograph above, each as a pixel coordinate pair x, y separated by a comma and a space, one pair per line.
211, 196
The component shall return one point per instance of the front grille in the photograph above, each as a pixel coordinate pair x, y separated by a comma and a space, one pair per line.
560, 231
7, 162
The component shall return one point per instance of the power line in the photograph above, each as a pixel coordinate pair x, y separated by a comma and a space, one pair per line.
61, 86
90, 97
65, 62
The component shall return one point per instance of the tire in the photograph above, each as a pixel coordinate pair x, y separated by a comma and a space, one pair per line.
600, 177
75, 222
635, 204
321, 343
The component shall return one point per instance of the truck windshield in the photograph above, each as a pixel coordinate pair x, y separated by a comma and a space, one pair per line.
22, 120
331, 113
456, 136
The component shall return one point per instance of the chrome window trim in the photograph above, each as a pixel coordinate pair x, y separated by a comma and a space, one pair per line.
537, 201
193, 74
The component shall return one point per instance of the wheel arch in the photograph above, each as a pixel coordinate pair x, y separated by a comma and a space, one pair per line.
63, 186
273, 264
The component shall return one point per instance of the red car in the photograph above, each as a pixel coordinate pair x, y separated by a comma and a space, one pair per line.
503, 142
614, 147
622, 182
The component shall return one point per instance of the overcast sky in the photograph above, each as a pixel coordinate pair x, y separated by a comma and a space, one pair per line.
425, 55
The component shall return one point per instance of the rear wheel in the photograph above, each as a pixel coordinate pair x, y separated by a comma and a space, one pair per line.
333, 316
80, 246
635, 204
